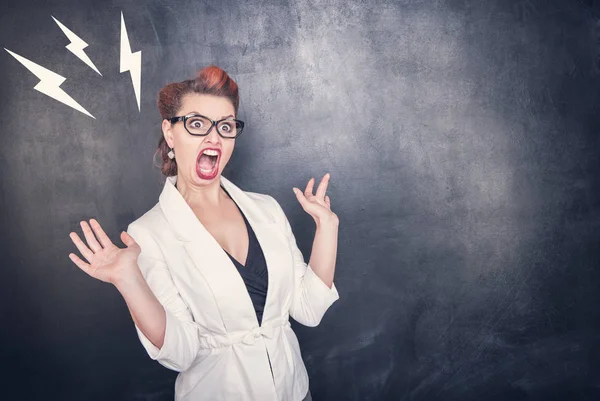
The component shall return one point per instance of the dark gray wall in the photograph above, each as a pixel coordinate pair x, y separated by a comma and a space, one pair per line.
462, 138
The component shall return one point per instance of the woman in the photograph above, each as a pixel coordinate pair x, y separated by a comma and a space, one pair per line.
212, 273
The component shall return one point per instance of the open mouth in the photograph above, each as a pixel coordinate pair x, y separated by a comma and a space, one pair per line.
207, 164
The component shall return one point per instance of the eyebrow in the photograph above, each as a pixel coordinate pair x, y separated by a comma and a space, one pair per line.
222, 118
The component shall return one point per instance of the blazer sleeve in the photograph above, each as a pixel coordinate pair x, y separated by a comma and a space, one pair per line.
181, 343
311, 296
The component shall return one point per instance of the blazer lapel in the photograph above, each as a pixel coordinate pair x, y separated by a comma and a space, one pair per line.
228, 288
267, 234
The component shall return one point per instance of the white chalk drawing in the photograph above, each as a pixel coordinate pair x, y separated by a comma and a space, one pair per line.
50, 83
131, 62
76, 46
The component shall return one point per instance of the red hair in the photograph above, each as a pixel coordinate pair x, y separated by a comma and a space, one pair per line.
210, 80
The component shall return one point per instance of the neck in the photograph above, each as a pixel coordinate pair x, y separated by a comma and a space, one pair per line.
209, 196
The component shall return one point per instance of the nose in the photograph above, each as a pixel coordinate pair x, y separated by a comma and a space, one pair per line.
213, 136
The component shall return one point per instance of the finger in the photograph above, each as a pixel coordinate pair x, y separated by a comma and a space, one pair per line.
322, 188
328, 201
89, 237
85, 251
80, 263
102, 237
309, 187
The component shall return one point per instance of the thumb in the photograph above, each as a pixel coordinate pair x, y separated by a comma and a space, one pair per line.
299, 195
127, 239
305, 203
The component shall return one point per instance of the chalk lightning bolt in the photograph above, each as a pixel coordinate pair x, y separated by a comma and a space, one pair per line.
49, 83
131, 62
76, 46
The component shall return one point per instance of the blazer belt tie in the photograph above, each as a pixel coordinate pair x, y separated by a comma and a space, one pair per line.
267, 330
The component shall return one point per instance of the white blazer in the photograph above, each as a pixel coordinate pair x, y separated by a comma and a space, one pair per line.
212, 334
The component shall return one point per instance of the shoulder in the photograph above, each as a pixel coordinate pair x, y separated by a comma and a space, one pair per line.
261, 199
147, 228
267, 204
149, 220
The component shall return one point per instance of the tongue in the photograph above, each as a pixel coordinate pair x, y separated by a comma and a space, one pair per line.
206, 162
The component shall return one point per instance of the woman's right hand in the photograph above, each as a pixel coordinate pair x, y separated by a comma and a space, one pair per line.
106, 261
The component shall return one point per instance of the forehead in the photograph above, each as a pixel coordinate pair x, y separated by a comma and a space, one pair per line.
211, 106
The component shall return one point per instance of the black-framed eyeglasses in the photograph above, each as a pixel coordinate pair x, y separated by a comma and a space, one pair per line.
199, 125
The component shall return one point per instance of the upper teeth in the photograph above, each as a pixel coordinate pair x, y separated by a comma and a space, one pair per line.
211, 152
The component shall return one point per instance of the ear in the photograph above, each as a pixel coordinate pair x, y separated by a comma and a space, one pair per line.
167, 130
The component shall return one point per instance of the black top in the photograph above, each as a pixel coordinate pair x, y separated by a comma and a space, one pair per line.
254, 273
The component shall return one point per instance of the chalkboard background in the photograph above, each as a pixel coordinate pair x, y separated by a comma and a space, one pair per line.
463, 142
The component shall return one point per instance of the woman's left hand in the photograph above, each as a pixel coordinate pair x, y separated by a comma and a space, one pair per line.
319, 204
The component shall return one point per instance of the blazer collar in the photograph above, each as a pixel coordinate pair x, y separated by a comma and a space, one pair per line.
184, 222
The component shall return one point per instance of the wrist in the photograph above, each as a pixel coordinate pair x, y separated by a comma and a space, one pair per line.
129, 279
330, 222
